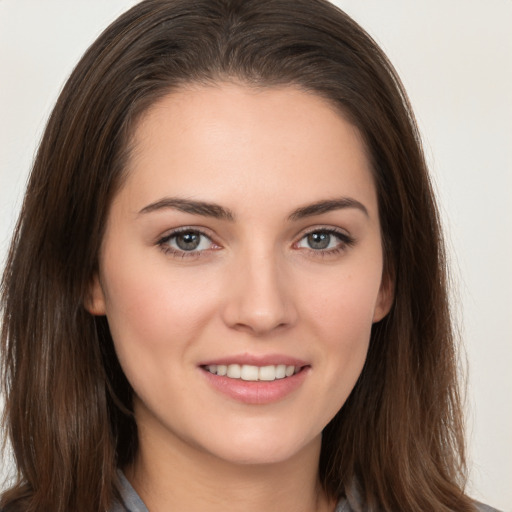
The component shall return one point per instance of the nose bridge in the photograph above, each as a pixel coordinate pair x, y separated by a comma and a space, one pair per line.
258, 300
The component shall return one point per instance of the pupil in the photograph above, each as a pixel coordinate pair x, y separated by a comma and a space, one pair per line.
319, 240
188, 241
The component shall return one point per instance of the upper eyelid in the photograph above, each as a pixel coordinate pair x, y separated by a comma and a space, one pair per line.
314, 229
329, 229
183, 229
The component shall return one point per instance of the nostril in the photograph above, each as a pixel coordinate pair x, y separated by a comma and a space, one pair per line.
256, 300
259, 326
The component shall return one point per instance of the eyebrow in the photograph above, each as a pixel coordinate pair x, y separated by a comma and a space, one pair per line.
327, 206
189, 206
219, 212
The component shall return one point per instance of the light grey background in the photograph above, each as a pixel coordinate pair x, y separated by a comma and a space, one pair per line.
455, 58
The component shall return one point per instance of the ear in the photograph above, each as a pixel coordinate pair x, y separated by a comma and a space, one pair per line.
94, 302
385, 298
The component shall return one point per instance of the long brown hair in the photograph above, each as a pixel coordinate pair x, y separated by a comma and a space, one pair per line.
397, 443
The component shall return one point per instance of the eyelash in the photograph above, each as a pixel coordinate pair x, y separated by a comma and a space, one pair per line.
163, 243
345, 241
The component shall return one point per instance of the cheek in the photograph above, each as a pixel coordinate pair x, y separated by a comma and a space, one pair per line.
153, 327
154, 315
345, 323
341, 318
345, 301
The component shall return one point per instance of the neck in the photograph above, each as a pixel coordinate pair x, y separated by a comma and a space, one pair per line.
179, 477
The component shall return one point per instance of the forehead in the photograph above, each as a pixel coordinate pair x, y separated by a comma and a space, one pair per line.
227, 137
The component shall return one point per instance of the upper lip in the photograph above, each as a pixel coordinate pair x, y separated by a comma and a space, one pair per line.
256, 360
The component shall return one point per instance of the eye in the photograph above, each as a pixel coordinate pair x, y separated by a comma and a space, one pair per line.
186, 241
327, 240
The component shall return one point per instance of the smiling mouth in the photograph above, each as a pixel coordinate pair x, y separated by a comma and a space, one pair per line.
253, 373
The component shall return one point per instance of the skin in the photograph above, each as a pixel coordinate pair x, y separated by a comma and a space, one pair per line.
254, 286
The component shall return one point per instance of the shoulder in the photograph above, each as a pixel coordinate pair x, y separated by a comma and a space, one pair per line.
131, 501
344, 506
485, 508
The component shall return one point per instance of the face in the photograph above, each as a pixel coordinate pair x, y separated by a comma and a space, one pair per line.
241, 270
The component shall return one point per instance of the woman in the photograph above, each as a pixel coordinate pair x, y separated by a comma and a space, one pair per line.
226, 289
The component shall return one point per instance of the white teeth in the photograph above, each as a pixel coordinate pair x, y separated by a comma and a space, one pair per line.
290, 370
253, 373
249, 372
234, 371
267, 373
281, 371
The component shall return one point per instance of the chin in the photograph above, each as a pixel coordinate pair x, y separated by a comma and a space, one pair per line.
263, 450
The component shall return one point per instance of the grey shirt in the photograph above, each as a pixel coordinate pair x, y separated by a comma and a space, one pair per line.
133, 503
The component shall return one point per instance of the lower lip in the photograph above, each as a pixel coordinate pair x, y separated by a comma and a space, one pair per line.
256, 392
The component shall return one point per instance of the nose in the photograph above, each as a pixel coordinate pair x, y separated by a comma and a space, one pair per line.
259, 296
